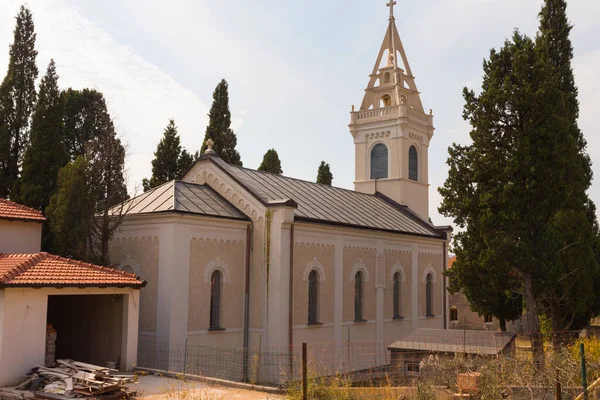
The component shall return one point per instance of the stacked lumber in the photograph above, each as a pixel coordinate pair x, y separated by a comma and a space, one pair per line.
73, 379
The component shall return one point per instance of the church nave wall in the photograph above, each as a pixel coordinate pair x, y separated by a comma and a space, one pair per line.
401, 262
227, 257
140, 256
359, 259
430, 263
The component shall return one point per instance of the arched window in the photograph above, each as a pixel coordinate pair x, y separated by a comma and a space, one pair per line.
379, 161
215, 300
385, 101
313, 298
488, 319
429, 296
453, 314
397, 296
358, 297
413, 164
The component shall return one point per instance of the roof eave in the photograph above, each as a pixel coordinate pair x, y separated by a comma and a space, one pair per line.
73, 285
355, 226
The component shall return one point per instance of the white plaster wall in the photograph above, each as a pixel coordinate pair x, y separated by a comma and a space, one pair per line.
23, 328
20, 236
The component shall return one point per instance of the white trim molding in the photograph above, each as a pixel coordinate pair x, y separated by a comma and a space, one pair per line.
398, 268
360, 266
429, 270
315, 264
217, 264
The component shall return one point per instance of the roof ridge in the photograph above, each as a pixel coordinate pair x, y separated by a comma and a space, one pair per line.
91, 266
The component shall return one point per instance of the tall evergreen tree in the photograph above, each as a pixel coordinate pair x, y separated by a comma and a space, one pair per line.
511, 188
324, 175
170, 160
219, 127
71, 210
46, 154
271, 163
575, 228
17, 99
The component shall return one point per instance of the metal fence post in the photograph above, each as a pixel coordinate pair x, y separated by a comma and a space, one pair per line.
304, 373
583, 372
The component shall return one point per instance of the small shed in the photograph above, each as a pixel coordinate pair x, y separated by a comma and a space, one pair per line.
408, 352
53, 307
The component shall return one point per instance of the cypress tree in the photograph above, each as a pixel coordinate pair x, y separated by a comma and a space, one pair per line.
46, 154
166, 165
511, 188
324, 175
271, 163
17, 99
219, 127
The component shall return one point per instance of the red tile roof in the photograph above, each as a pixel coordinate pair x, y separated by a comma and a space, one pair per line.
47, 270
12, 210
451, 261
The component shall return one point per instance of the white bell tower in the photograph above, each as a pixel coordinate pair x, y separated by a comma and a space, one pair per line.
391, 130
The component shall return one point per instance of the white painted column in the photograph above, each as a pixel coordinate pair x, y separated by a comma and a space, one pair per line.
129, 333
165, 285
380, 287
415, 287
338, 316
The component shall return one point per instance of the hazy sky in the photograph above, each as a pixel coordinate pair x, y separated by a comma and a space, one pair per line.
294, 68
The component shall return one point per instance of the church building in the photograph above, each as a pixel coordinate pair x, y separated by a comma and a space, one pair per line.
238, 258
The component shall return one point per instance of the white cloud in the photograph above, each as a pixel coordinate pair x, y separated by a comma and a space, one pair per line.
141, 97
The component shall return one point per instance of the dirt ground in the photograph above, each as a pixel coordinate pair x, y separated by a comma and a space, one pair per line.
152, 387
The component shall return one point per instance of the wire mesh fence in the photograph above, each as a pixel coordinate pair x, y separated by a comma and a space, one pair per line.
421, 366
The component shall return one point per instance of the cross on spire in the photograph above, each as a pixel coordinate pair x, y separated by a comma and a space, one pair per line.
391, 5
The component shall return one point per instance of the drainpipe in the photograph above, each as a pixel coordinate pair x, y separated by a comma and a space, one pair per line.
291, 299
247, 300
444, 267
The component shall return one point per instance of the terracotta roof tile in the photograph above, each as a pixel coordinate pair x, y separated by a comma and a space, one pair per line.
43, 269
451, 261
12, 210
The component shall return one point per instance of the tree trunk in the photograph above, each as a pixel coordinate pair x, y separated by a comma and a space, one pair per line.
557, 340
533, 321
502, 324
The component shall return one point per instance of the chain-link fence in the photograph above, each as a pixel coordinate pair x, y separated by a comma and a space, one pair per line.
436, 365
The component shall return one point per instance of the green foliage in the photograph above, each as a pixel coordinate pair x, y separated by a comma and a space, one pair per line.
324, 175
219, 127
170, 161
271, 163
518, 187
71, 210
17, 100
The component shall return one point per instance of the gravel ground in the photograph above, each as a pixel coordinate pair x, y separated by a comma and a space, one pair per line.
151, 387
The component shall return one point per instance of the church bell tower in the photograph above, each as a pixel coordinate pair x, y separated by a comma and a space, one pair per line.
391, 130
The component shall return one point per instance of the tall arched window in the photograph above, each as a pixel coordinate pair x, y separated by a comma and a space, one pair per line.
358, 297
413, 164
397, 296
215, 300
313, 298
429, 295
379, 161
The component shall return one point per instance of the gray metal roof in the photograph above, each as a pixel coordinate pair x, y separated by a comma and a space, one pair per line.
178, 196
331, 205
454, 341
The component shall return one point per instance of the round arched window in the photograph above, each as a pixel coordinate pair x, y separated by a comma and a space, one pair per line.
379, 161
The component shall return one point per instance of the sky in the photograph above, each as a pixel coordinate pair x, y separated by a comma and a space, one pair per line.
294, 69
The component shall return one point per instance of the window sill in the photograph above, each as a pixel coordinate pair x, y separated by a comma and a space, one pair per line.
314, 324
360, 321
398, 318
217, 329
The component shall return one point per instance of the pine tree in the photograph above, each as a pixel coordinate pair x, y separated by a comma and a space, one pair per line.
324, 175
17, 100
271, 163
166, 164
185, 162
219, 127
511, 189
